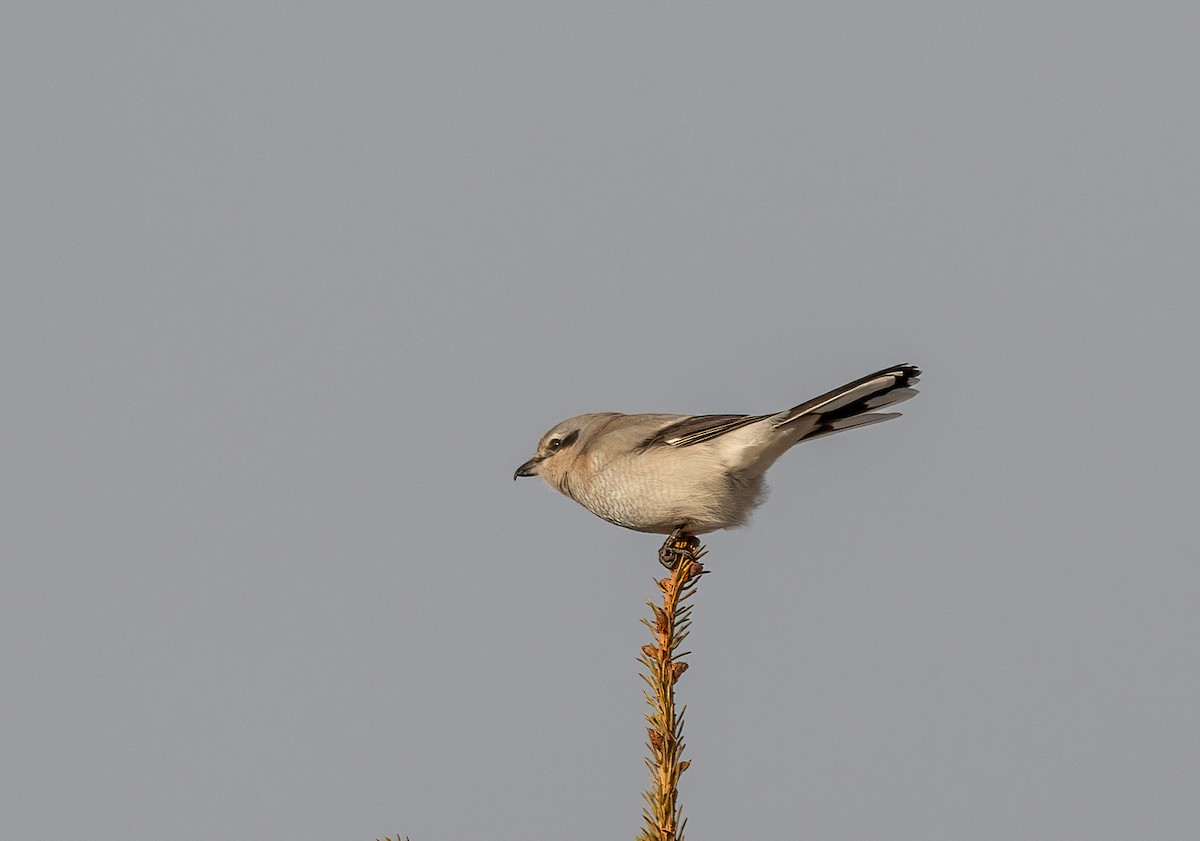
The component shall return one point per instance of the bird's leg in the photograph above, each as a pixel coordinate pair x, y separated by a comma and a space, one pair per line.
678, 545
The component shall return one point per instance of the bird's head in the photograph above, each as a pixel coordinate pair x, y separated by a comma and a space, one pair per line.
554, 444
561, 446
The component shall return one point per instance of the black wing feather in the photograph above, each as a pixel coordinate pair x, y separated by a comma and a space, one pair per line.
697, 429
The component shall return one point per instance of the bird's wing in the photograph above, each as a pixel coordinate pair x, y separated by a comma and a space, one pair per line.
698, 428
842, 408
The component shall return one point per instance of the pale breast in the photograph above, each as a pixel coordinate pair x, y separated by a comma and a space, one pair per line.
658, 491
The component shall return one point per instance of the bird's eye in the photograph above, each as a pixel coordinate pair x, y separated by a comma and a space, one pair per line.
555, 444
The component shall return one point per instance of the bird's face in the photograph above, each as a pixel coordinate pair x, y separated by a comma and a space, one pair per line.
554, 452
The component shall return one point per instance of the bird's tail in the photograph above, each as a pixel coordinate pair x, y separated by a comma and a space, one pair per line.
853, 404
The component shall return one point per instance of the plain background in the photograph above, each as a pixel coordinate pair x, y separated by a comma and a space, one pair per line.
290, 290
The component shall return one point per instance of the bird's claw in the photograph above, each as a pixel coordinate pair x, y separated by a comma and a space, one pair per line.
678, 546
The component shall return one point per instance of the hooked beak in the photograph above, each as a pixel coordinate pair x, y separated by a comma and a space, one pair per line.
529, 468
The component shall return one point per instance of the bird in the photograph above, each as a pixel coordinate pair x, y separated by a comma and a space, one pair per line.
684, 475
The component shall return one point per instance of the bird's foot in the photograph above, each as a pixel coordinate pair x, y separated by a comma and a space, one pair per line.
678, 546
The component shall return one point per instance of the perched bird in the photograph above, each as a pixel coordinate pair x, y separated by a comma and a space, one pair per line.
690, 474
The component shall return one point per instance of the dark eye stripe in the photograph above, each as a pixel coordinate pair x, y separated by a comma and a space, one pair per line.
569, 440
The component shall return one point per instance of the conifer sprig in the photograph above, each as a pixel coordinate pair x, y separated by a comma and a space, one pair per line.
664, 665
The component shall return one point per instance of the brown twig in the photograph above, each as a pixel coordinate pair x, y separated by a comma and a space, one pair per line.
669, 627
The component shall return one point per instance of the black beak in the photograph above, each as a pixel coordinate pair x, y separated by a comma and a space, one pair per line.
529, 468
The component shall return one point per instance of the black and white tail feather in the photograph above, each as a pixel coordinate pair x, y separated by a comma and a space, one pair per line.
854, 404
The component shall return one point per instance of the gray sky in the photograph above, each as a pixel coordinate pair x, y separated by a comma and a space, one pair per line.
290, 290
